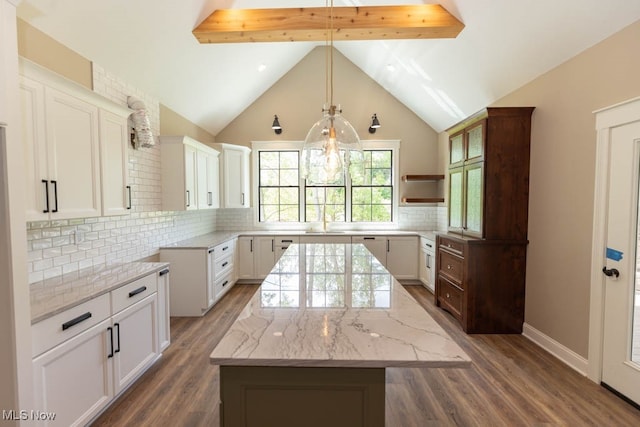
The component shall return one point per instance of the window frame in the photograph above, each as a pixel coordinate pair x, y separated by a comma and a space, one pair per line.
392, 145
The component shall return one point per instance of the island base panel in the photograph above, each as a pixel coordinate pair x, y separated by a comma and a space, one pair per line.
294, 396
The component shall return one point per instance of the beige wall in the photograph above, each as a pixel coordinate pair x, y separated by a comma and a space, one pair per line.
172, 123
297, 99
562, 180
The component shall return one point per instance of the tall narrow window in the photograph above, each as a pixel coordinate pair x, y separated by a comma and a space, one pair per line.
279, 186
372, 188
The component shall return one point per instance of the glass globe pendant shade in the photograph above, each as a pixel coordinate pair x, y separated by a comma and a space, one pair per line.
328, 147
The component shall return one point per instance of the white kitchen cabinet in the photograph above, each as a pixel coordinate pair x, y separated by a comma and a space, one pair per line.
234, 175
75, 145
87, 355
60, 138
196, 276
114, 162
188, 174
164, 309
402, 256
75, 379
426, 264
136, 345
208, 176
267, 251
245, 258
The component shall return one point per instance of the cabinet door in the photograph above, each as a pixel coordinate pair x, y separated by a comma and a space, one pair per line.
211, 278
135, 340
426, 269
201, 178
377, 245
456, 188
74, 379
245, 260
474, 137
164, 310
114, 161
236, 194
190, 177
35, 150
402, 257
213, 181
456, 148
473, 199
73, 153
264, 256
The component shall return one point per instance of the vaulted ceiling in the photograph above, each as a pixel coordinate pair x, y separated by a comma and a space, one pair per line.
505, 44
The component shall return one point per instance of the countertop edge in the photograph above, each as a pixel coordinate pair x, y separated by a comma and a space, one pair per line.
310, 363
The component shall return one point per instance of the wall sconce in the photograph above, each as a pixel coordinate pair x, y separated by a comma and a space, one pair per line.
276, 126
375, 124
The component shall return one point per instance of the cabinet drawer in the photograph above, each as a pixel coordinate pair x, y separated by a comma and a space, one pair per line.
450, 297
451, 266
224, 249
223, 266
126, 295
427, 244
63, 326
222, 285
285, 241
452, 245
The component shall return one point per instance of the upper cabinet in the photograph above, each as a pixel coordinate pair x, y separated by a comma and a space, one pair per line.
75, 149
189, 174
488, 183
234, 175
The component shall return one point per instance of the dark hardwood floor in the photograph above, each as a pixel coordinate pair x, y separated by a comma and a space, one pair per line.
512, 382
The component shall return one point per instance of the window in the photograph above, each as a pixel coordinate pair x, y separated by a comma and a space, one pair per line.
367, 195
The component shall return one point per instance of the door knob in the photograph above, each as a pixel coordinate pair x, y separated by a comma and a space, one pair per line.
610, 272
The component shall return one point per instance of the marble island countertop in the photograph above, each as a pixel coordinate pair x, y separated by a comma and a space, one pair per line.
335, 305
209, 240
54, 295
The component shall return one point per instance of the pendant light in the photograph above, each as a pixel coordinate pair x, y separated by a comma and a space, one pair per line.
332, 144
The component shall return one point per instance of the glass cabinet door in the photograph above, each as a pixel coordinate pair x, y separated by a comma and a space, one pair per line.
473, 195
475, 141
455, 199
456, 149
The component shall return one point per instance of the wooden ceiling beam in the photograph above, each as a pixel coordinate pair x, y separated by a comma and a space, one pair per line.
309, 24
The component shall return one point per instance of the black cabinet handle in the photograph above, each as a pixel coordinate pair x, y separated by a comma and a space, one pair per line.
46, 195
369, 238
110, 329
210, 250
242, 199
188, 198
272, 245
129, 191
287, 241
225, 248
210, 197
55, 194
428, 245
163, 272
117, 325
225, 283
72, 322
224, 264
251, 245
137, 291
387, 246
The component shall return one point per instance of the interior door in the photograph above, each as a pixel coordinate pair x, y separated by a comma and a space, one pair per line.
621, 345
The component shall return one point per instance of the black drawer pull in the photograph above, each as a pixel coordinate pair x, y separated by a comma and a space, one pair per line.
128, 187
55, 195
225, 248
46, 195
211, 250
225, 283
137, 291
224, 264
72, 322
428, 245
163, 272
110, 329
369, 238
287, 241
117, 350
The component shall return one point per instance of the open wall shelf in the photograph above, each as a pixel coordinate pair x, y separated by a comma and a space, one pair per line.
422, 178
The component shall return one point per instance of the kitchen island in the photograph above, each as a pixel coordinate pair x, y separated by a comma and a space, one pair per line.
312, 345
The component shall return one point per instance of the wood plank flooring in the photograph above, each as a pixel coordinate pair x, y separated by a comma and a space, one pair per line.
512, 382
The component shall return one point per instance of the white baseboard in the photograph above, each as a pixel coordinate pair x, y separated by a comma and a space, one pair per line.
569, 357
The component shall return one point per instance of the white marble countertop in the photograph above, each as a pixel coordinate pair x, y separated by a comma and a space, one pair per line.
209, 240
54, 295
335, 305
